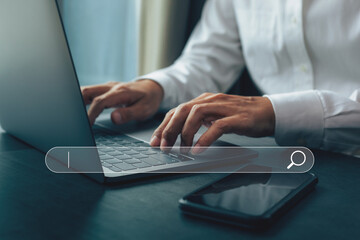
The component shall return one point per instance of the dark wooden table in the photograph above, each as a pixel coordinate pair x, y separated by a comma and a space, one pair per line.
38, 204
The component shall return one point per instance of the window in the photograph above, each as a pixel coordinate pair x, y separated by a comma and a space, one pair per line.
103, 39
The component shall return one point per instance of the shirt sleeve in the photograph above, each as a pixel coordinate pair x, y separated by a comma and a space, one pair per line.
318, 119
211, 61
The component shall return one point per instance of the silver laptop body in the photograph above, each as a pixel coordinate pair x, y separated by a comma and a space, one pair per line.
40, 97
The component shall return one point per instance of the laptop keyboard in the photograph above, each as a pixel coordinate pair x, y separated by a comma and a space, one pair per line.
121, 153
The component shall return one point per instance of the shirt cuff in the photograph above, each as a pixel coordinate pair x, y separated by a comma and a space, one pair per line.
299, 119
167, 83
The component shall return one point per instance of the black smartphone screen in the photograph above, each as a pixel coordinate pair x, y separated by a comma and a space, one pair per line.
250, 195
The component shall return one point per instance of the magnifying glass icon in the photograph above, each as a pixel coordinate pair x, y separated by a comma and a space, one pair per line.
293, 163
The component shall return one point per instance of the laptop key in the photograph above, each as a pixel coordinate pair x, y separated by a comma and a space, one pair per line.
140, 156
113, 145
154, 162
115, 169
113, 161
130, 152
125, 166
150, 152
141, 149
106, 150
106, 157
127, 144
132, 161
115, 153
142, 165
123, 157
119, 139
133, 140
165, 158
144, 145
105, 164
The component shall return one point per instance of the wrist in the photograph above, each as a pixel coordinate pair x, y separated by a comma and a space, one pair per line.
154, 87
270, 113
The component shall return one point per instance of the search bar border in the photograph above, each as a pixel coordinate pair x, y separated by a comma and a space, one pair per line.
159, 170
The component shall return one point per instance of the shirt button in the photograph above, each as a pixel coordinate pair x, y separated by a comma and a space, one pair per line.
294, 20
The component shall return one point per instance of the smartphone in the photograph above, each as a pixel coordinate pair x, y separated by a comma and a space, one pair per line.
248, 199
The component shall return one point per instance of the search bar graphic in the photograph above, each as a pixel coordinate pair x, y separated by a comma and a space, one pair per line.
136, 160
293, 163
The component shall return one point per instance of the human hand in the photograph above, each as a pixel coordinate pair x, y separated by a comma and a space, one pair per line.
134, 101
222, 113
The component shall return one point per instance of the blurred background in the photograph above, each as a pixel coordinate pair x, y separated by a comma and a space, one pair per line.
117, 40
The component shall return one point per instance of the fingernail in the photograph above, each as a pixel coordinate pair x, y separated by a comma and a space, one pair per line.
163, 145
197, 149
117, 118
155, 141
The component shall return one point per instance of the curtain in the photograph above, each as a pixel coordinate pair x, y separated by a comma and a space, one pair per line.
162, 33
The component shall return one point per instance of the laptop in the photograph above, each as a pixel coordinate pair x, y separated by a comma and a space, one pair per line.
41, 102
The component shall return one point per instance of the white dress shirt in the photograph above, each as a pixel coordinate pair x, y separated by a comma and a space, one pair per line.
304, 55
